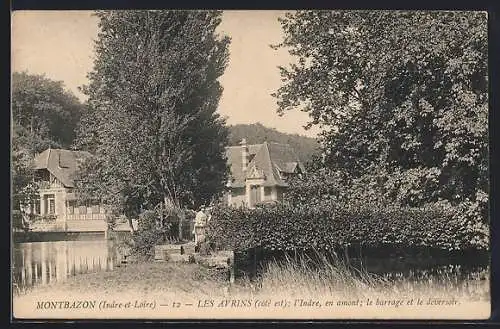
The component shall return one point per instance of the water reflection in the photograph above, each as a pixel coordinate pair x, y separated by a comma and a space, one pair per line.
38, 263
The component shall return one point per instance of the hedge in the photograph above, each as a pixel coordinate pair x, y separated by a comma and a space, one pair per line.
287, 227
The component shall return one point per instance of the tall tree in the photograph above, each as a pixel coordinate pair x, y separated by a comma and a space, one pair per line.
48, 112
151, 119
24, 189
399, 93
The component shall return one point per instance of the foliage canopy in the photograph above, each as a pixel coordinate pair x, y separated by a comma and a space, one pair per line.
151, 120
401, 96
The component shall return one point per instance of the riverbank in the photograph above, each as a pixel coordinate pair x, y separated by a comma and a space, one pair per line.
142, 279
194, 287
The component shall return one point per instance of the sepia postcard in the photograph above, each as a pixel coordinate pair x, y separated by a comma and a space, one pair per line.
250, 164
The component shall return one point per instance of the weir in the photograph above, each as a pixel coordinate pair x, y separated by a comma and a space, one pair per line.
74, 231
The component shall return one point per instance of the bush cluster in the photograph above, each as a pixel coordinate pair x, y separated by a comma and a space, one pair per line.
286, 226
149, 234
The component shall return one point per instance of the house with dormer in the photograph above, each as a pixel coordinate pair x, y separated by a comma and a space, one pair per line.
55, 171
259, 172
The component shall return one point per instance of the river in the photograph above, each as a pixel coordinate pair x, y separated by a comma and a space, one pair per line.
40, 263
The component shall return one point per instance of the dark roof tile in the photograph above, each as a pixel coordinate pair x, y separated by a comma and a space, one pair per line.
63, 164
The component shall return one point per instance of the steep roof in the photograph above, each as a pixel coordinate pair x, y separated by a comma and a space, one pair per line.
284, 158
270, 158
61, 163
234, 159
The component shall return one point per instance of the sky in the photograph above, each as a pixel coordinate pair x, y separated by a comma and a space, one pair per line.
60, 44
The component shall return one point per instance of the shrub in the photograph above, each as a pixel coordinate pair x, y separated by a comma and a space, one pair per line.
149, 234
204, 249
17, 220
411, 188
331, 225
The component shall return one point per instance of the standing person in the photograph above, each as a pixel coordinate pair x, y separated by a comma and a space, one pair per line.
201, 216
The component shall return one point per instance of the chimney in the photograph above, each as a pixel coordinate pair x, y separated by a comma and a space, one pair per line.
244, 154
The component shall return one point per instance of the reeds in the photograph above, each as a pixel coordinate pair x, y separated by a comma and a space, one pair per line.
320, 274
333, 276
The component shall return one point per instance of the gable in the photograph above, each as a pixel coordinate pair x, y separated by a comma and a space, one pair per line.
234, 160
273, 161
256, 173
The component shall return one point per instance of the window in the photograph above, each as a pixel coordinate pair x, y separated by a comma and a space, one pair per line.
284, 175
95, 209
82, 210
235, 192
37, 209
50, 204
268, 190
254, 195
71, 207
43, 176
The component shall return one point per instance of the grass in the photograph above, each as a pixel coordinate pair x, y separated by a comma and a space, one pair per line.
141, 278
305, 277
290, 278
192, 283
326, 277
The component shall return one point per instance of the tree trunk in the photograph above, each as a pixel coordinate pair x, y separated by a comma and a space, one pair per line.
171, 204
162, 213
181, 221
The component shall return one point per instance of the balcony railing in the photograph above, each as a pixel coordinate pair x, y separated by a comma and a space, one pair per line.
44, 218
86, 216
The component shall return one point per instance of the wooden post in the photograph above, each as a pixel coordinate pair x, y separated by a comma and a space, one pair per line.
231, 268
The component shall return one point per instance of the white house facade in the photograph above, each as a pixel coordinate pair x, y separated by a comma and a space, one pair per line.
259, 172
